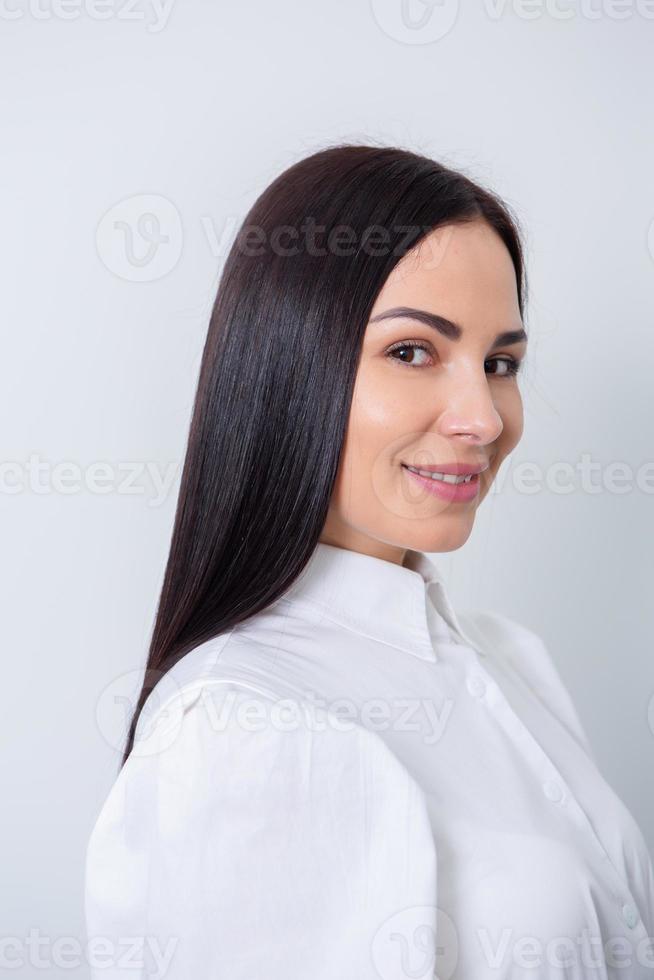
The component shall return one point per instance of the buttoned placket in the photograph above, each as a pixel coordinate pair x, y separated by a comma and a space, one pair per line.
484, 689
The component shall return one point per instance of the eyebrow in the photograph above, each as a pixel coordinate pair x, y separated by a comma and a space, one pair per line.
444, 326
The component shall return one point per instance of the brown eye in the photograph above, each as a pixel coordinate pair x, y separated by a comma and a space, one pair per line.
409, 353
510, 364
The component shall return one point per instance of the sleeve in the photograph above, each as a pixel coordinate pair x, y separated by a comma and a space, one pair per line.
258, 838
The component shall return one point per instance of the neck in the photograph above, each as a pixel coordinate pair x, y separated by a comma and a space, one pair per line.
353, 540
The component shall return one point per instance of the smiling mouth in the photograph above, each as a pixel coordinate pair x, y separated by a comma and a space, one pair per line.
451, 478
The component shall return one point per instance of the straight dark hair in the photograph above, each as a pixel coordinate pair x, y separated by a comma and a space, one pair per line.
277, 376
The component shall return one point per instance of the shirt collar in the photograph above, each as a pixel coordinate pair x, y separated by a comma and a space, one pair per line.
405, 605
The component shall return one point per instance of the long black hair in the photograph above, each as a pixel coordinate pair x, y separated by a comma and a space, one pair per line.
277, 375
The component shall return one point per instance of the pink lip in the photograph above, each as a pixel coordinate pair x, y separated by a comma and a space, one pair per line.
453, 492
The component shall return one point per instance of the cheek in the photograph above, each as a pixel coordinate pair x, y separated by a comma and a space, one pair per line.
510, 409
508, 405
383, 420
379, 427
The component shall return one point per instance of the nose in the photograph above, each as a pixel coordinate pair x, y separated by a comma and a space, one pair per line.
468, 409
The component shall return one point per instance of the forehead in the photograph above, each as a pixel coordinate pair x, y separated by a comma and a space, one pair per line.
460, 271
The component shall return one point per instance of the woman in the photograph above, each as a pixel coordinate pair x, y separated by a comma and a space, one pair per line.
330, 773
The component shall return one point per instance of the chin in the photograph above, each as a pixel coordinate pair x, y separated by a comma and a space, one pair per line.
445, 536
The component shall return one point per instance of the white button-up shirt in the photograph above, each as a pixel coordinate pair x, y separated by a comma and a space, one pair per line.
358, 783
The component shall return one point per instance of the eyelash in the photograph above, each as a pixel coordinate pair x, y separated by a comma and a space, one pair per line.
512, 364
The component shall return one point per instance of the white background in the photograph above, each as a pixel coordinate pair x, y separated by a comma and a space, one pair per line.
201, 105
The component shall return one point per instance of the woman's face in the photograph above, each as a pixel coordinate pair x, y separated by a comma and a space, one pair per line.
430, 396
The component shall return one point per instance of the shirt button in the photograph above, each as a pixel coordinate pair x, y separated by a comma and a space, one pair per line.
476, 685
630, 914
553, 790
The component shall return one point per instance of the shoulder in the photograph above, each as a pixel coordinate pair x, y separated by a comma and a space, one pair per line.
510, 642
499, 634
217, 665
205, 711
523, 652
241, 807
211, 721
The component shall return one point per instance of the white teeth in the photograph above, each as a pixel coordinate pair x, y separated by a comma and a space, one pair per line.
445, 477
